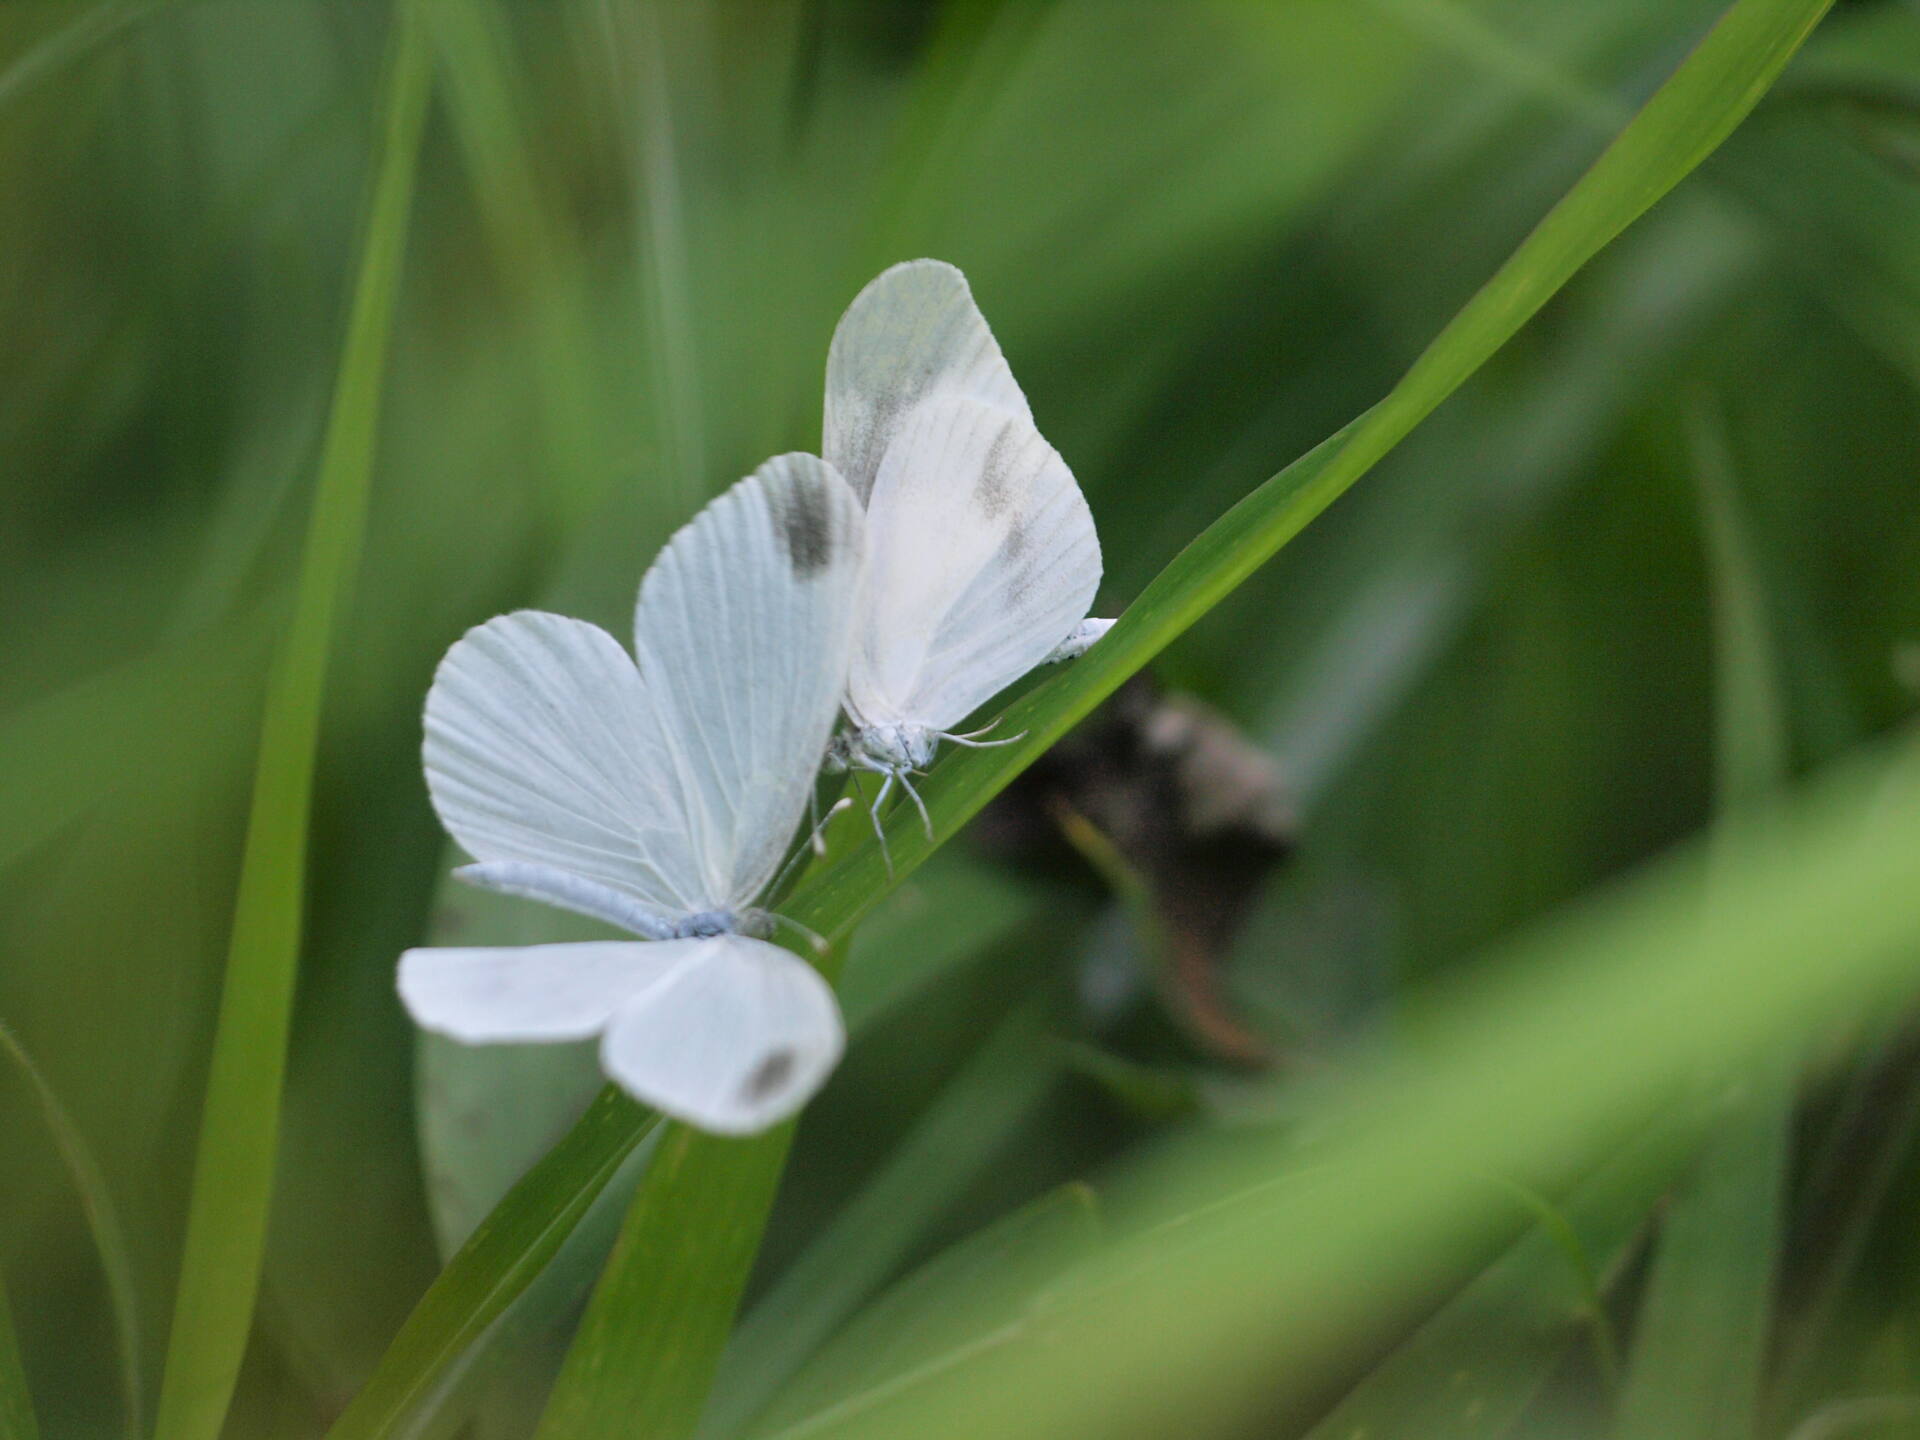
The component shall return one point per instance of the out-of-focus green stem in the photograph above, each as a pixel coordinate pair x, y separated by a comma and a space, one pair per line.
240, 1118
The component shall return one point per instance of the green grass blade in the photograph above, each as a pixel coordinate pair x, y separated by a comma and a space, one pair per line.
1470, 1372
485, 105
495, 1265
1697, 107
636, 38
89, 31
1680, 125
1698, 1351
103, 1224
974, 1113
647, 1350
916, 1326
1276, 1262
1751, 749
16, 1404
233, 1166
1703, 1328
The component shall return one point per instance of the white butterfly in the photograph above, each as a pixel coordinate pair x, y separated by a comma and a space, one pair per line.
983, 558
659, 796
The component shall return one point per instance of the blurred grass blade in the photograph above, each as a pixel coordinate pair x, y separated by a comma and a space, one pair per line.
1703, 1328
1471, 1371
1682, 123
486, 106
103, 1224
646, 1352
1275, 1262
636, 37
233, 1165
110, 730
916, 1326
90, 29
918, 1180
497, 1262
16, 1404
1751, 741
1702, 1331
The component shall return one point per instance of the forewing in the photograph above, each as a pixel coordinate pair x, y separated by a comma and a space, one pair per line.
733, 1042
743, 632
983, 559
534, 993
913, 335
544, 748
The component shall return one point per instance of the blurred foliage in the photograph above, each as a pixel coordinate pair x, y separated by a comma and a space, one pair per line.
1208, 234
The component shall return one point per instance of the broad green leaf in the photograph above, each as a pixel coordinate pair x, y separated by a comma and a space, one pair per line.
1684, 121
103, 1223
998, 1088
16, 1404
1703, 1329
916, 1324
233, 1165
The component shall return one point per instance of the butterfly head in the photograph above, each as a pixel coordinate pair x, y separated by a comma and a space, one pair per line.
895, 748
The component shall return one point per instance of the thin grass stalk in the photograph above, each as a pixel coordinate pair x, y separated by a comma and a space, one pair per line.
234, 1161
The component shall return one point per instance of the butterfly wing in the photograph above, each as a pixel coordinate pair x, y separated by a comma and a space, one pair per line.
732, 1043
533, 993
727, 1033
983, 559
545, 750
743, 632
675, 783
913, 335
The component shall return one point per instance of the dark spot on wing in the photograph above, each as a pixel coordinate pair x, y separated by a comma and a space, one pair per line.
882, 420
802, 513
994, 489
769, 1075
1016, 540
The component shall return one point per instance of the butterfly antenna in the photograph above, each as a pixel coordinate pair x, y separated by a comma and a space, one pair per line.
813, 844
926, 821
813, 937
972, 744
986, 729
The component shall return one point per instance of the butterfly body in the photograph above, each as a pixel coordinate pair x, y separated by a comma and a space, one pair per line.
884, 748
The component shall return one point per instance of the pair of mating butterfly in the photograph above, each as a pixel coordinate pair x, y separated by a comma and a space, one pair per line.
938, 553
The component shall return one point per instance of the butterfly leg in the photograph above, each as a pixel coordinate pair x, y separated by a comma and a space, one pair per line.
880, 833
813, 937
926, 821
